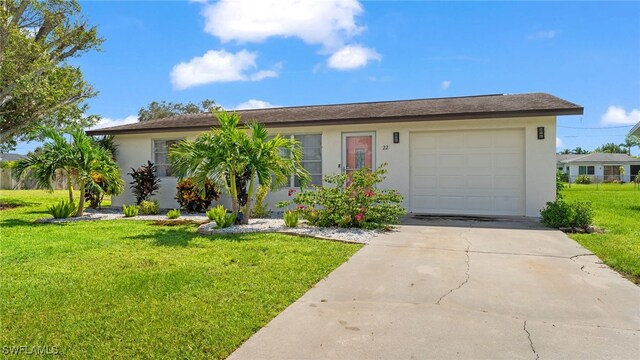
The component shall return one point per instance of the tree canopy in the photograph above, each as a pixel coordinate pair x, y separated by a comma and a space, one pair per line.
164, 109
38, 86
611, 148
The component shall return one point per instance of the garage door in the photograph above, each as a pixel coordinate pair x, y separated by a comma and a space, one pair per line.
468, 172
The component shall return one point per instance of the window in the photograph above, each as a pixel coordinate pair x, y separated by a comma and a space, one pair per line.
586, 170
311, 157
161, 156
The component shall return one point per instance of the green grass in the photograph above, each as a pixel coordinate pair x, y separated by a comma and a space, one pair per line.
617, 210
129, 289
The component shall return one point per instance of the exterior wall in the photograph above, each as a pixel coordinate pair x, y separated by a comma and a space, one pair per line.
136, 149
599, 171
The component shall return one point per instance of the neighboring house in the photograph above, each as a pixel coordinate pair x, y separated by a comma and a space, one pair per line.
600, 167
7, 181
635, 130
476, 155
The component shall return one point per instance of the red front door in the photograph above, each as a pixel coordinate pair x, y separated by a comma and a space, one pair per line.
359, 152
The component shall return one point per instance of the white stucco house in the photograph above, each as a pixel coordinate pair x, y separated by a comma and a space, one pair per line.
476, 155
600, 167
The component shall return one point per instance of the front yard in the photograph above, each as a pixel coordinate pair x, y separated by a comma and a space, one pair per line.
130, 289
617, 210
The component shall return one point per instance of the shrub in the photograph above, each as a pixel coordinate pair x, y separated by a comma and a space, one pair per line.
62, 210
221, 217
291, 218
637, 180
145, 182
582, 214
130, 211
261, 209
191, 198
358, 204
173, 214
583, 179
556, 214
147, 207
560, 214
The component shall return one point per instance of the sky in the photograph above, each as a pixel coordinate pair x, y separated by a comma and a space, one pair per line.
248, 54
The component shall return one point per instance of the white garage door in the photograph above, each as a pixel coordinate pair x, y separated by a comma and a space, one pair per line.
468, 172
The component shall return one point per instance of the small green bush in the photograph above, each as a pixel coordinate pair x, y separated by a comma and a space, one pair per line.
62, 210
582, 214
147, 207
291, 218
173, 214
584, 179
637, 179
221, 217
130, 211
556, 214
560, 214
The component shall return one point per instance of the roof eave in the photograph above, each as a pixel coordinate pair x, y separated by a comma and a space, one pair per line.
396, 119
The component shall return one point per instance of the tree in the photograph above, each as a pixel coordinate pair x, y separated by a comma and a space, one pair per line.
80, 158
578, 150
38, 87
565, 152
226, 153
611, 148
160, 110
631, 141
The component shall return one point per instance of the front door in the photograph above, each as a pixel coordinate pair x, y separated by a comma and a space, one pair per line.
358, 152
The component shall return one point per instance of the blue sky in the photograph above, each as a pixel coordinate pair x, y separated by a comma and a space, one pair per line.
245, 54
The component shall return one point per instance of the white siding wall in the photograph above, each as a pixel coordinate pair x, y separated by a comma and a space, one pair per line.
135, 150
599, 170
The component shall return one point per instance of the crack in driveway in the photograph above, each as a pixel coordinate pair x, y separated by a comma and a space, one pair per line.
530, 341
466, 272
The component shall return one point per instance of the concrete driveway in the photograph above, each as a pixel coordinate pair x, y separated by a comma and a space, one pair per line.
461, 289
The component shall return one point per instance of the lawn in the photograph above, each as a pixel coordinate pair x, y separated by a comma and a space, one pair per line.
130, 289
617, 210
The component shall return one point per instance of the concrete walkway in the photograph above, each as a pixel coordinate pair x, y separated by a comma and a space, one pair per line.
461, 289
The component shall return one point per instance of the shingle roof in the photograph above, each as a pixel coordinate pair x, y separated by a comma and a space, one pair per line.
11, 157
597, 158
455, 108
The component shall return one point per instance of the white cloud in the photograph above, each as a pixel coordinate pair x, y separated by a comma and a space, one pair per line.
109, 122
326, 22
616, 115
352, 57
255, 104
445, 84
546, 34
559, 143
218, 66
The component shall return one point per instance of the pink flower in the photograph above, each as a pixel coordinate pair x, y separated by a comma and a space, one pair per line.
369, 193
362, 209
301, 207
359, 217
291, 191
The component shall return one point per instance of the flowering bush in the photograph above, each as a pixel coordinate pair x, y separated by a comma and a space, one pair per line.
350, 203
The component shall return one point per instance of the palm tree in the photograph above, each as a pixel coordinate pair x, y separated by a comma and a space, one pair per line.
226, 153
81, 159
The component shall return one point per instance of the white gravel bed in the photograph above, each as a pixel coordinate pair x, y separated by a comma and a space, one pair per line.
116, 214
354, 235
